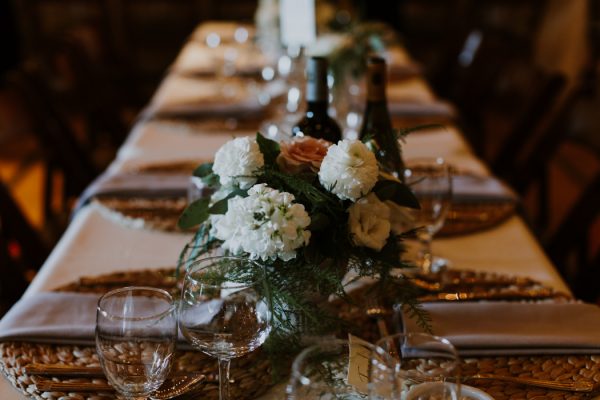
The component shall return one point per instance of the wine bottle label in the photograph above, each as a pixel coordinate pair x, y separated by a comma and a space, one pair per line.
316, 79
376, 79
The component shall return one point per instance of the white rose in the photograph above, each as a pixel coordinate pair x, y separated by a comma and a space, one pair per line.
349, 170
237, 161
266, 224
369, 222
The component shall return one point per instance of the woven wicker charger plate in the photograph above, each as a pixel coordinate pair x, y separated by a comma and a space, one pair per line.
251, 373
466, 218
163, 213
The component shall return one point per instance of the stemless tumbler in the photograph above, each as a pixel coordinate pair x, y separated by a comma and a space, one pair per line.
428, 366
341, 369
136, 331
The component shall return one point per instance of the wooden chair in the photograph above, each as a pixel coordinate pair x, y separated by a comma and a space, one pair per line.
569, 247
62, 152
543, 108
90, 91
21, 249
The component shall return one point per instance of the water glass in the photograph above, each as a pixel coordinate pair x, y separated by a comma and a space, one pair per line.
430, 180
225, 310
428, 367
136, 331
322, 371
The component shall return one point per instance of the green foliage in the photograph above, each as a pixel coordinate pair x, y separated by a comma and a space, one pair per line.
397, 192
350, 59
269, 148
220, 207
194, 214
299, 288
205, 172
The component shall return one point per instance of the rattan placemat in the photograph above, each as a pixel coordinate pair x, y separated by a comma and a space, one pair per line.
464, 218
251, 373
163, 213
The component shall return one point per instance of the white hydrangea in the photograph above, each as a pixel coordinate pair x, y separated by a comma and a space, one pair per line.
349, 170
369, 222
237, 161
266, 224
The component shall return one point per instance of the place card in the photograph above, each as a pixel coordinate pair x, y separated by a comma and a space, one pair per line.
358, 363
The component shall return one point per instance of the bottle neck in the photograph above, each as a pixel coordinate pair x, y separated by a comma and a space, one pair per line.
376, 82
316, 81
317, 107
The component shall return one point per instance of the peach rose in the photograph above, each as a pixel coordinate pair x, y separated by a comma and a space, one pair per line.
302, 154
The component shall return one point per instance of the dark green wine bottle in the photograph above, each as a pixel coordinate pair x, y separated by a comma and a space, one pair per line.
316, 122
377, 124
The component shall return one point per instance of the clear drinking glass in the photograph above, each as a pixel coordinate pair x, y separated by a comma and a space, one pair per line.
321, 371
224, 310
136, 331
431, 181
427, 366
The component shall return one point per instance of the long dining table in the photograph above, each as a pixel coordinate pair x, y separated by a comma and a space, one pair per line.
98, 241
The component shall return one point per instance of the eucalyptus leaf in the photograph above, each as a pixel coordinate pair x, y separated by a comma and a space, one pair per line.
269, 148
203, 170
194, 214
397, 192
220, 207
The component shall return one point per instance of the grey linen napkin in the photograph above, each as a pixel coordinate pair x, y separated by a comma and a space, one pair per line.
56, 318
412, 109
503, 328
131, 185
471, 188
52, 317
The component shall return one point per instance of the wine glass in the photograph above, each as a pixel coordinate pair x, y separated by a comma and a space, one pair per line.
431, 181
342, 369
136, 330
427, 366
225, 310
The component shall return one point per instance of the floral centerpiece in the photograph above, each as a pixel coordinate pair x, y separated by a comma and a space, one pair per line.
313, 213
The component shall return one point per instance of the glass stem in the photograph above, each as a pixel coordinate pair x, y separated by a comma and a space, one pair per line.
224, 378
425, 238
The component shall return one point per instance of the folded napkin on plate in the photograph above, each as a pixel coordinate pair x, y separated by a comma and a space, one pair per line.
180, 95
471, 188
56, 318
434, 108
132, 185
52, 317
502, 328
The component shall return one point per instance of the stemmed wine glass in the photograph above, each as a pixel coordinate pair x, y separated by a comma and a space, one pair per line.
427, 366
225, 310
136, 331
431, 181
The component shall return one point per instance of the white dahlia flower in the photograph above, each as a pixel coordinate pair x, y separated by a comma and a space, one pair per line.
369, 222
266, 224
349, 170
237, 161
